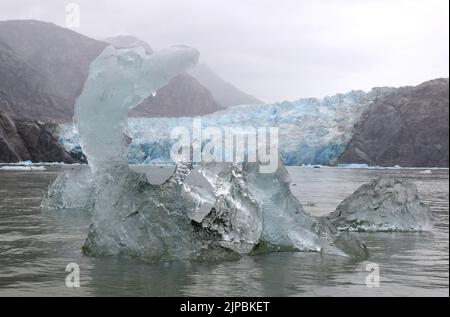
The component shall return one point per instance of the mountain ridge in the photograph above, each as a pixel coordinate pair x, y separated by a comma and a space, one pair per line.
60, 58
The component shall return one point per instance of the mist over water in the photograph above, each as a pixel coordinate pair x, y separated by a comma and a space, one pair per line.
36, 246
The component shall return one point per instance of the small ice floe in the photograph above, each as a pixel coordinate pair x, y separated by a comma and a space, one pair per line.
72, 189
353, 165
23, 168
426, 172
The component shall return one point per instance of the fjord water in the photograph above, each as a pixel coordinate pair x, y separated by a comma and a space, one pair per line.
36, 245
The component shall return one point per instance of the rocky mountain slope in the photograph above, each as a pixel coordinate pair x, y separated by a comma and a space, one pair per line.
407, 127
30, 140
43, 68
225, 94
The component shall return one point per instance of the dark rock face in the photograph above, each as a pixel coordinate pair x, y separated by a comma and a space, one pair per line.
12, 148
30, 140
408, 127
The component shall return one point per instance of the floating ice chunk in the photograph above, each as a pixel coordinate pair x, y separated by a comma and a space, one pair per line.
225, 217
236, 217
23, 168
73, 189
384, 204
286, 225
269, 216
353, 165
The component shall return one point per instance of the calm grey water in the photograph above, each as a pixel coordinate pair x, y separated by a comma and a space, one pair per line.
36, 246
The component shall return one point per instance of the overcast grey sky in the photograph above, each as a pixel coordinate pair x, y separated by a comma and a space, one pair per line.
278, 49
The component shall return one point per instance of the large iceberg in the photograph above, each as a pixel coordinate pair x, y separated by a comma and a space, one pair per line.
241, 210
246, 212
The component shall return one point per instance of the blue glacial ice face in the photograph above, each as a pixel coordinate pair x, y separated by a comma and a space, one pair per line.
311, 131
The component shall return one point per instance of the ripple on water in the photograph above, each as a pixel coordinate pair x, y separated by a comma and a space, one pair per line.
36, 246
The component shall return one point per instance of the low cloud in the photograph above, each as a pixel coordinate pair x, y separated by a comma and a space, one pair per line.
278, 50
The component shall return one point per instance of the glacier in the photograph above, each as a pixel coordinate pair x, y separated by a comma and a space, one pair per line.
241, 212
311, 131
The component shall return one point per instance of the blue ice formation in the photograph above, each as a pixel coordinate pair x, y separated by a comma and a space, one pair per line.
311, 131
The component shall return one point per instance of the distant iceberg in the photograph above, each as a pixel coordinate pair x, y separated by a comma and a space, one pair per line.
352, 165
22, 168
